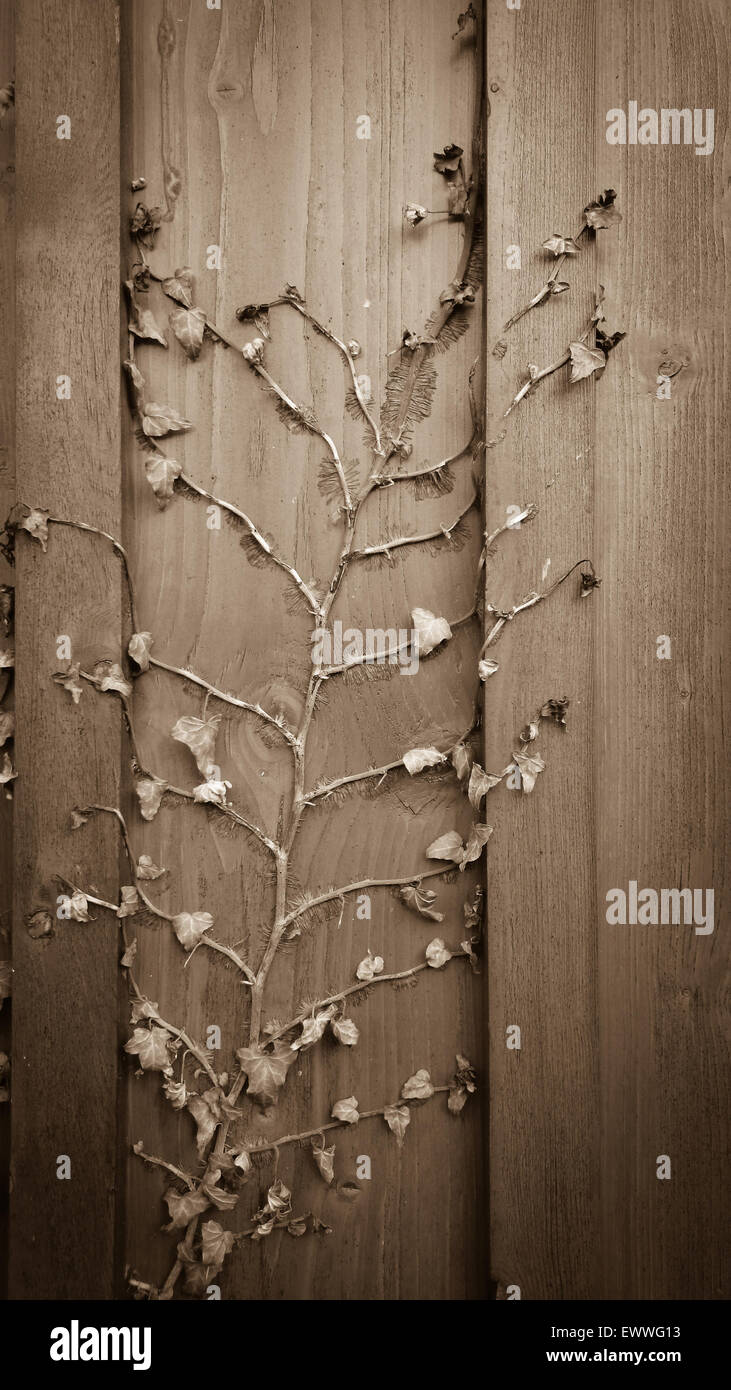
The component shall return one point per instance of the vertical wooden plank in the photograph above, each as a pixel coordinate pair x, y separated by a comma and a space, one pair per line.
541, 915
7, 486
662, 522
64, 1013
257, 108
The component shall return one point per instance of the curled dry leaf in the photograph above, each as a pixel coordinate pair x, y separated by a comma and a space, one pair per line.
418, 758
447, 160
206, 1117
76, 907
154, 1047
480, 784
585, 360
34, 520
150, 792
70, 681
130, 903
161, 473
7, 659
313, 1028
346, 1110
216, 1243
369, 966
7, 771
129, 955
463, 1084
429, 631
159, 420
141, 321
189, 326
447, 846
486, 668
345, 1031
530, 764
560, 245
324, 1158
461, 757
200, 737
176, 1092
39, 924
189, 927
142, 1008
139, 649
418, 1087
476, 841
147, 870
108, 675
266, 1072
437, 954
602, 213
397, 1118
420, 900
213, 792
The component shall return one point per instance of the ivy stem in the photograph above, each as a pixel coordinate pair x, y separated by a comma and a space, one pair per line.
529, 602
359, 988
443, 533
212, 690
364, 883
318, 792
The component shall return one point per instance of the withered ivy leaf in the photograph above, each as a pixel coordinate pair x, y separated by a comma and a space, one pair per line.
147, 869
161, 473
461, 760
200, 737
76, 907
198, 1278
279, 1199
7, 604
561, 245
153, 1047
5, 981
7, 726
205, 1117
556, 710
418, 1087
266, 1072
225, 1201
607, 341
176, 1092
476, 841
463, 1084
150, 791
144, 223
179, 286
291, 292
189, 927
418, 758
469, 952
346, 1031
7, 771
447, 160
264, 1228
559, 286
458, 294
128, 958
130, 903
603, 212
216, 1243
456, 198
346, 1110
447, 846
437, 954
585, 360
298, 1227
189, 326
139, 649
313, 1028
7, 658
108, 675
369, 966
589, 581
529, 733
397, 1118
480, 784
34, 520
213, 792
420, 900
487, 668
79, 817
429, 630
243, 1162
142, 1008
251, 311
183, 1206
325, 1159
135, 375
530, 765
414, 213
464, 18
141, 321
158, 420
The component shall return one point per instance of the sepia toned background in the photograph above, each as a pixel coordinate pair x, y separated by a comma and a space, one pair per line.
249, 115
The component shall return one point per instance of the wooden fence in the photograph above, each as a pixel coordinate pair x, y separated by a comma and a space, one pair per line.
283, 139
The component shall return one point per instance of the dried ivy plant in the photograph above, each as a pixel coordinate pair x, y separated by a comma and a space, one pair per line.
217, 1102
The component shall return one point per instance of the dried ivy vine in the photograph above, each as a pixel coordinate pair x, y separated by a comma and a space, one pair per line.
190, 1081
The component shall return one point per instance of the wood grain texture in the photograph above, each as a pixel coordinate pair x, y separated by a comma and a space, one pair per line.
623, 1054
256, 109
65, 1046
7, 486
